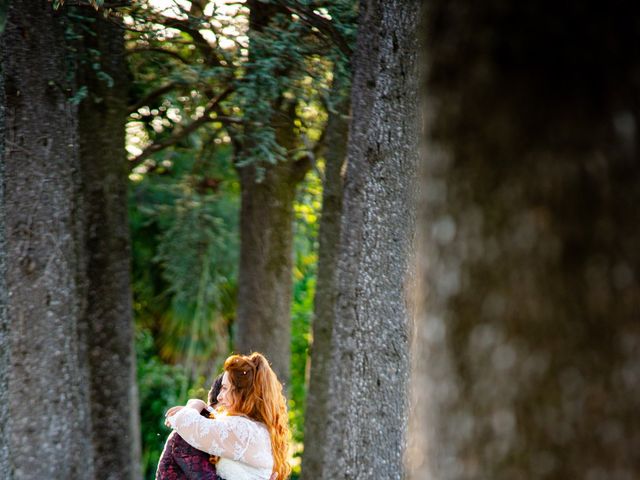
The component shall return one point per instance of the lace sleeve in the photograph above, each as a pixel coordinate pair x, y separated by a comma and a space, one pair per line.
232, 437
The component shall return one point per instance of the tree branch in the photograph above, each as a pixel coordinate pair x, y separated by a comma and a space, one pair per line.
159, 50
152, 96
209, 53
227, 120
324, 25
183, 131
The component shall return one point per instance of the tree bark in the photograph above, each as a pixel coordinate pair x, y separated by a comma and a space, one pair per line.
335, 152
266, 254
366, 428
108, 320
5, 345
528, 338
48, 420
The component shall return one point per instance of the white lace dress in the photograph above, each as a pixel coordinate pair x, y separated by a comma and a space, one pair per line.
243, 445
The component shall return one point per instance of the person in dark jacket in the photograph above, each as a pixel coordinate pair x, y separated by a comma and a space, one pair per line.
181, 461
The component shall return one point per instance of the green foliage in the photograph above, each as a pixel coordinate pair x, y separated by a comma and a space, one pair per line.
183, 215
4, 7
79, 34
269, 73
274, 66
79, 95
301, 315
94, 3
307, 208
167, 238
184, 220
158, 388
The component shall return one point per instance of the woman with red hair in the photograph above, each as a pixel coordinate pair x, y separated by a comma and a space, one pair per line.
251, 437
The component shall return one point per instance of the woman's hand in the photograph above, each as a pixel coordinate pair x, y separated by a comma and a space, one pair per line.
172, 411
196, 404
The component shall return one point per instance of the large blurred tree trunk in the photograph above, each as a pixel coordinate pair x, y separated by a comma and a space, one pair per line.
265, 278
366, 430
319, 387
49, 422
529, 335
108, 320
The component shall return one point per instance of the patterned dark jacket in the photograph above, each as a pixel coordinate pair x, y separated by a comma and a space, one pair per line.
181, 461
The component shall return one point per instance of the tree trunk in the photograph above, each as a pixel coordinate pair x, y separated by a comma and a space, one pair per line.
370, 363
529, 337
266, 253
49, 421
108, 320
315, 422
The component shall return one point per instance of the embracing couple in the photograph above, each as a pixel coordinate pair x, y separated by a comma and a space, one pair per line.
242, 434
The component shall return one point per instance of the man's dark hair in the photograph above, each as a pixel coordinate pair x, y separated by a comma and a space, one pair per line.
212, 396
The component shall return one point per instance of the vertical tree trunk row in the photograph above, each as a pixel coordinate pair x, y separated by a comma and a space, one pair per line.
370, 361
68, 366
108, 319
335, 152
49, 417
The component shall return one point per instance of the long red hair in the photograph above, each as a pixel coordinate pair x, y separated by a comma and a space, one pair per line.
257, 393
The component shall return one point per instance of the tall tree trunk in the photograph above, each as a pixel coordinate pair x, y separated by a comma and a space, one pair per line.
108, 320
49, 421
266, 253
265, 279
529, 337
335, 152
370, 361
